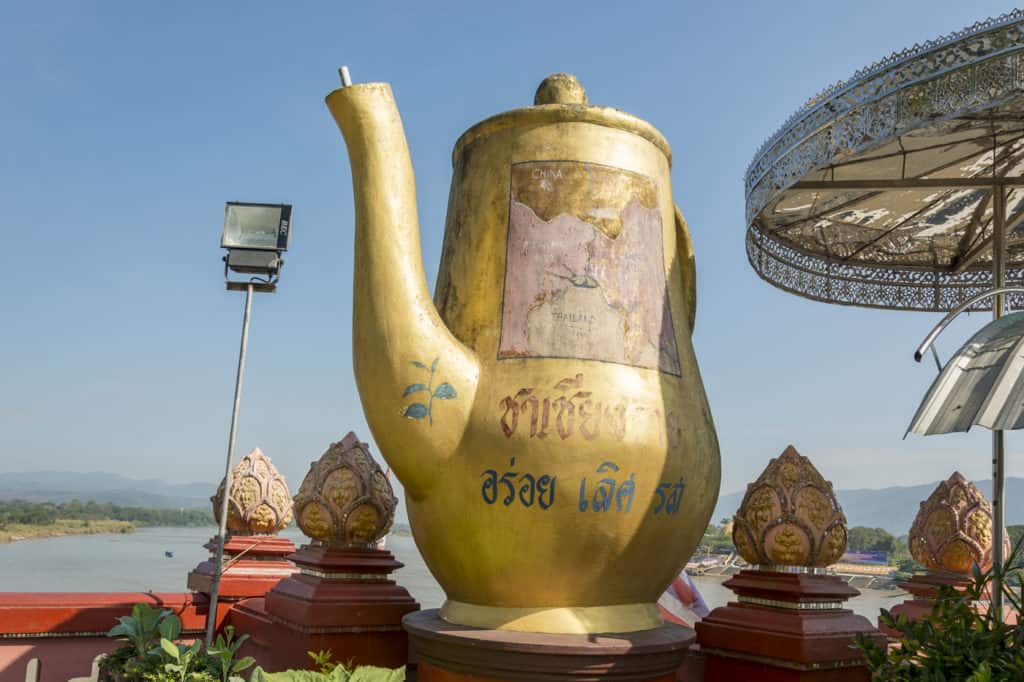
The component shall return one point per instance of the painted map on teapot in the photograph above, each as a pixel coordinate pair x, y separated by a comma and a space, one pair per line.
584, 270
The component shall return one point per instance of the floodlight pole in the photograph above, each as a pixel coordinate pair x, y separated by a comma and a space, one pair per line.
211, 616
998, 443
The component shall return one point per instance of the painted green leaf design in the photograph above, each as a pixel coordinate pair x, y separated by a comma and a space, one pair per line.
416, 363
445, 392
413, 388
415, 411
434, 366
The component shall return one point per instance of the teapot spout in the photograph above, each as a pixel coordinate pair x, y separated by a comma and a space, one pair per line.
416, 381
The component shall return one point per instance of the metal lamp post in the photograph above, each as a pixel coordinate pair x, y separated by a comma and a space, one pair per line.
255, 236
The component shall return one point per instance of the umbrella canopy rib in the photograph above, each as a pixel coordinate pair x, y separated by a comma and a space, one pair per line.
1001, 409
973, 385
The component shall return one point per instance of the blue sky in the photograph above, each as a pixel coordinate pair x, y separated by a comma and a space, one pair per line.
125, 126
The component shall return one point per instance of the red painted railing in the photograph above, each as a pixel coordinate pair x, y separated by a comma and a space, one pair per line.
56, 636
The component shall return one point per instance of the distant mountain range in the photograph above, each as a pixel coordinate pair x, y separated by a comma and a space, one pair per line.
63, 486
892, 508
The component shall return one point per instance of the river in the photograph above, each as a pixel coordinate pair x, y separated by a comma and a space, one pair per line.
135, 562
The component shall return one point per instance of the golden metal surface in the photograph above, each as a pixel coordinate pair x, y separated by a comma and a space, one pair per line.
547, 417
566, 620
560, 88
790, 517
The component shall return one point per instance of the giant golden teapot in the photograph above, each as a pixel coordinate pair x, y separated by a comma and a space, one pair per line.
545, 412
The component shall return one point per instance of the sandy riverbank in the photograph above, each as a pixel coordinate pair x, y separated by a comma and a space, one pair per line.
14, 532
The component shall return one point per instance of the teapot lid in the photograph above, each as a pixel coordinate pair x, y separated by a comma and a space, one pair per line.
561, 98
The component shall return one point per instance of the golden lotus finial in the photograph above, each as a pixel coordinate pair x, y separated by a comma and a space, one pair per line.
790, 516
259, 502
346, 500
953, 529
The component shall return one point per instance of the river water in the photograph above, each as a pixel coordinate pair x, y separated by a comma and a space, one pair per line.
135, 562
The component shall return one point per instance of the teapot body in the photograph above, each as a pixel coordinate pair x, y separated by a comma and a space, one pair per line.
589, 466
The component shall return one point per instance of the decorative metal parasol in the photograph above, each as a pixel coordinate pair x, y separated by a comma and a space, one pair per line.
883, 191
903, 187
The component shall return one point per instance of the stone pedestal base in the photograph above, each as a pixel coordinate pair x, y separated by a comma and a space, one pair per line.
923, 588
456, 653
784, 626
339, 600
254, 564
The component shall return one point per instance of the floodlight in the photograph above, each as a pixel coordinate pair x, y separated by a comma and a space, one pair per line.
264, 227
255, 236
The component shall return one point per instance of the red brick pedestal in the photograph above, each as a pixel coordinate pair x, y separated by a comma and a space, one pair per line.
784, 627
455, 653
923, 588
339, 600
253, 565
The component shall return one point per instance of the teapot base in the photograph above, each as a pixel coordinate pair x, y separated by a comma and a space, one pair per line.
555, 619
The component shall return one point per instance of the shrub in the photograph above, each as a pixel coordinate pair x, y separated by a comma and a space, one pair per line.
328, 670
151, 654
957, 640
341, 673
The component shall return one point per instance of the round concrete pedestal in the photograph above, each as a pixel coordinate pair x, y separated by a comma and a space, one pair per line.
456, 653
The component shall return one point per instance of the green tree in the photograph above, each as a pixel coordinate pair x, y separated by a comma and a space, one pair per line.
1015, 533
45, 513
871, 540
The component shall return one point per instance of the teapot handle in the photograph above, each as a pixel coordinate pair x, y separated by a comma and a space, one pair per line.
687, 266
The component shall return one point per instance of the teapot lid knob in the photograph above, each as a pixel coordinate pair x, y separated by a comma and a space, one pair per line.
560, 88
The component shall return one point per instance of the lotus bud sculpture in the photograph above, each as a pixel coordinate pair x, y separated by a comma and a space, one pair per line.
345, 501
259, 502
790, 516
953, 529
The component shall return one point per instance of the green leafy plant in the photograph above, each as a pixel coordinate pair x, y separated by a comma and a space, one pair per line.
142, 629
151, 652
141, 632
221, 659
959, 639
183, 659
340, 673
323, 660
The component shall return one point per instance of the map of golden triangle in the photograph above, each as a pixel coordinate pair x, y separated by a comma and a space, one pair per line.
584, 270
